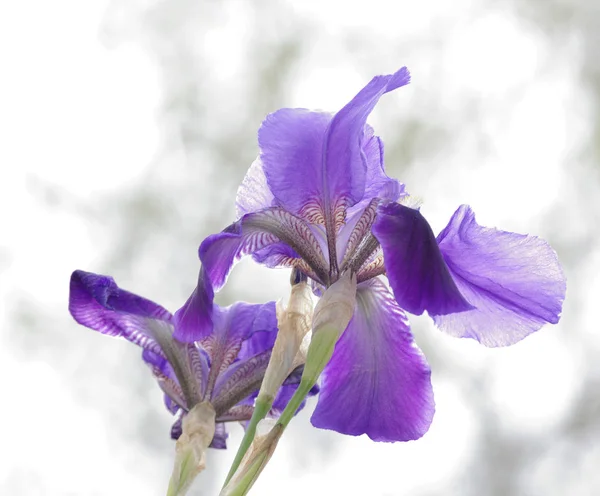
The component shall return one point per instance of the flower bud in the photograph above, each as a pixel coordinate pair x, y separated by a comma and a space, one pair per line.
294, 323
198, 430
331, 317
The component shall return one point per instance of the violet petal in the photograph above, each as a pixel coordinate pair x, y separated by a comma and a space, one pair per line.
239, 381
315, 164
252, 233
514, 281
413, 262
96, 301
194, 320
377, 382
254, 193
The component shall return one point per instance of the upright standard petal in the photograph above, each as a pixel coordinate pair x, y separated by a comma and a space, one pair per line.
377, 382
515, 282
314, 164
96, 301
241, 321
291, 150
413, 262
233, 326
344, 161
378, 184
254, 193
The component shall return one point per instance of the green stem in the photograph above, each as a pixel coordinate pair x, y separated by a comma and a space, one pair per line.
261, 408
294, 403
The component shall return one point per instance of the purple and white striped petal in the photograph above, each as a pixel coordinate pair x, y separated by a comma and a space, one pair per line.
254, 232
377, 382
243, 322
515, 282
413, 262
96, 301
254, 193
277, 255
233, 327
239, 381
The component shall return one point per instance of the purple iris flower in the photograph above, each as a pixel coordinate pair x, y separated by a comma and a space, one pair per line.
318, 199
225, 366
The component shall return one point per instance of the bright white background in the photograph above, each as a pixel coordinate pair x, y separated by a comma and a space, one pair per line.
125, 129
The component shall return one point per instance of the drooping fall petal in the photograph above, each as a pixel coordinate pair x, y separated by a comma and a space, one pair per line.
514, 281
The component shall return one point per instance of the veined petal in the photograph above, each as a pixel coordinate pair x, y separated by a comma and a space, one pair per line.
315, 164
254, 232
235, 327
96, 301
378, 184
239, 381
277, 255
240, 413
167, 380
515, 282
377, 382
259, 342
159, 364
241, 321
254, 193
291, 150
413, 262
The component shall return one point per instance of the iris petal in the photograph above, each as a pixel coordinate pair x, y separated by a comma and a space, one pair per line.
291, 149
315, 164
378, 184
239, 381
194, 320
377, 382
515, 281
254, 193
96, 301
255, 232
413, 262
235, 326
